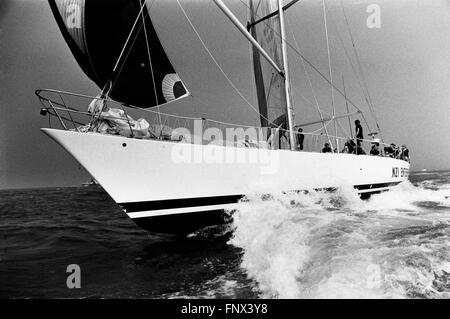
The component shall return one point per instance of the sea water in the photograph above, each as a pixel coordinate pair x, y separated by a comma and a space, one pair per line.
280, 245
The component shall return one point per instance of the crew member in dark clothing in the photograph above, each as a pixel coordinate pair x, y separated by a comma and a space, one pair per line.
359, 133
397, 152
350, 144
300, 138
405, 153
390, 150
359, 151
327, 148
375, 149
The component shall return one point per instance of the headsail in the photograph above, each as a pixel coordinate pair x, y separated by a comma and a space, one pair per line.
96, 31
269, 83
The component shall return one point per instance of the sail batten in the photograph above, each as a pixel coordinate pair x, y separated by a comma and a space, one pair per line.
96, 32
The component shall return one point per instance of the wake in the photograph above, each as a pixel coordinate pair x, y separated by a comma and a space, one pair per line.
334, 245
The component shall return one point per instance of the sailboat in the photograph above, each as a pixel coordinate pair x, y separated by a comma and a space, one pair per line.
90, 183
175, 181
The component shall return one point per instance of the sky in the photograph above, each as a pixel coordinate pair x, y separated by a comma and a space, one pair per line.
405, 62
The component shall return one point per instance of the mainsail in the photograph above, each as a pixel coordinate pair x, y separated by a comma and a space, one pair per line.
269, 83
96, 32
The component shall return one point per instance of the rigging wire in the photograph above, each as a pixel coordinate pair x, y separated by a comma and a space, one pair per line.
128, 39
346, 105
330, 71
353, 42
358, 80
151, 64
362, 72
254, 94
343, 129
309, 81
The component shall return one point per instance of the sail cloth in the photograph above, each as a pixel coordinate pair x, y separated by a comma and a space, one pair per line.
269, 83
116, 122
96, 32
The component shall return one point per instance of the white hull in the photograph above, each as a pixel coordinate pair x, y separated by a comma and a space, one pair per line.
161, 193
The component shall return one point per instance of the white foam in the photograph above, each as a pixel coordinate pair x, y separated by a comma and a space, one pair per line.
322, 245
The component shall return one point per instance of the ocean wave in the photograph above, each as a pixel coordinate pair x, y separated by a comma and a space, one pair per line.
334, 245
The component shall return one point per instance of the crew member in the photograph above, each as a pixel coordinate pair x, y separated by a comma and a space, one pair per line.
359, 133
389, 150
300, 138
405, 153
375, 148
327, 148
350, 145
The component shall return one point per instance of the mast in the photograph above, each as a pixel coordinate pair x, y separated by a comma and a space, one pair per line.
289, 108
